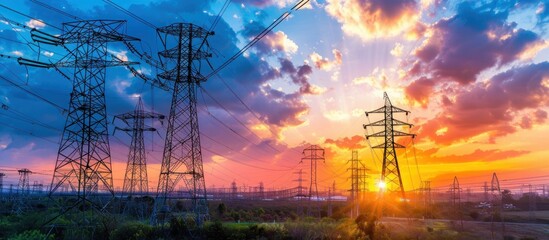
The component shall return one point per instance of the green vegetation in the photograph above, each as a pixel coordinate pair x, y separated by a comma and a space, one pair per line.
129, 219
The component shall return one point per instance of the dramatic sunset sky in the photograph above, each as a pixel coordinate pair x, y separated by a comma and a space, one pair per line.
474, 74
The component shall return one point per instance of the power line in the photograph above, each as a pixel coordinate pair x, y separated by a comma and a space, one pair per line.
25, 15
234, 117
56, 10
27, 132
34, 94
243, 163
257, 38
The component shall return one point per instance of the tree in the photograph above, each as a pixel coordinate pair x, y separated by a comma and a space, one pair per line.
221, 209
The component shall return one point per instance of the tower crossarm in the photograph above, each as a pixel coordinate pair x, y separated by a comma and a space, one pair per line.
381, 123
395, 134
379, 110
389, 144
398, 110
149, 129
90, 63
46, 38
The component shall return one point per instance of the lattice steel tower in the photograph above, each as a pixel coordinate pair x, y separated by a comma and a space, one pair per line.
2, 175
24, 181
390, 173
359, 184
182, 158
84, 159
313, 153
136, 179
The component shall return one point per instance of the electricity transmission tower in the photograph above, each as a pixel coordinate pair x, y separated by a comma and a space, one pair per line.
496, 205
390, 173
426, 195
313, 153
300, 191
23, 191
83, 160
455, 191
356, 173
2, 175
182, 158
136, 179
24, 182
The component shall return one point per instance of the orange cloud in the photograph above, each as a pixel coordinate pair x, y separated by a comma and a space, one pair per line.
369, 19
324, 63
419, 91
491, 108
278, 41
354, 142
478, 155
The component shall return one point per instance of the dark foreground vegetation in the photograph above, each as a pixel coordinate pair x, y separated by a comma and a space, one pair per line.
128, 219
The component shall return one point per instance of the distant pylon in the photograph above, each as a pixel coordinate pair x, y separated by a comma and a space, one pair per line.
2, 175
300, 191
313, 153
24, 182
261, 191
182, 157
426, 195
234, 190
456, 199
23, 191
354, 183
496, 205
532, 203
390, 173
136, 179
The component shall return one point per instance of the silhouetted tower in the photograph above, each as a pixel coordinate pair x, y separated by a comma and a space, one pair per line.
531, 203
354, 183
23, 191
390, 173
24, 182
261, 191
234, 190
37, 187
182, 158
456, 199
135, 179
300, 191
2, 175
313, 153
426, 194
84, 159
329, 212
496, 205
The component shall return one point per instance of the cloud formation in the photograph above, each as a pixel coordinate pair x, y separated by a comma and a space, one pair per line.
324, 63
349, 143
475, 39
478, 155
491, 108
368, 19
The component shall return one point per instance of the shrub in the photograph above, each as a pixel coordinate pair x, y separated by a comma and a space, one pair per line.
214, 231
132, 231
30, 235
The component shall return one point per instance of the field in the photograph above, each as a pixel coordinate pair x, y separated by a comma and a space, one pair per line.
252, 219
399, 228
